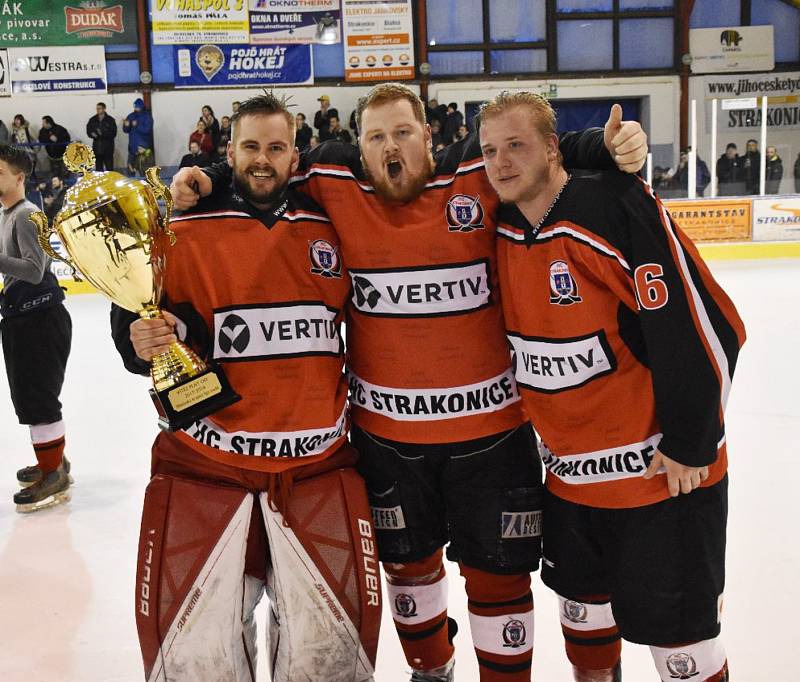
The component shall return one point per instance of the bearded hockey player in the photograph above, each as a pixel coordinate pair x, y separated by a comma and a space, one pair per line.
444, 446
624, 349
261, 495
36, 332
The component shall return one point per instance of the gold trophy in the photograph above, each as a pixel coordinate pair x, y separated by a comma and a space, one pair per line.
115, 235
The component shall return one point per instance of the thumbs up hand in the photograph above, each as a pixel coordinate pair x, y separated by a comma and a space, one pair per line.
626, 141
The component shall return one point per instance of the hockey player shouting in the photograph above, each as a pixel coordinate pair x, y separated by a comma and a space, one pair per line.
263, 493
36, 333
444, 446
624, 349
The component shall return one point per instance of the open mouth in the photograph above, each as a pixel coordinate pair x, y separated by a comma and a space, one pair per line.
262, 174
394, 168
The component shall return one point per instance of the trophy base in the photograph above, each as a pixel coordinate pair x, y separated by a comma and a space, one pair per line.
182, 405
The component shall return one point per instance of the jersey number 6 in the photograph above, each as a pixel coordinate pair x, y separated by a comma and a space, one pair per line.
650, 287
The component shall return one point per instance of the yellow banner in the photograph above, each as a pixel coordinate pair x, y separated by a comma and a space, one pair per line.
713, 220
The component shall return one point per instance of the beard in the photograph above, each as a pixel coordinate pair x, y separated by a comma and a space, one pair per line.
241, 183
408, 191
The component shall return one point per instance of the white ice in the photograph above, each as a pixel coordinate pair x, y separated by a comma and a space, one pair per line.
66, 574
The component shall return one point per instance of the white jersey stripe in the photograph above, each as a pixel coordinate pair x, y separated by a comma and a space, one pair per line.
213, 214
702, 314
516, 236
304, 443
549, 232
414, 604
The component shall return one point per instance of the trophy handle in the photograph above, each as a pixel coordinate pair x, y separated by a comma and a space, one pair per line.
43, 233
153, 177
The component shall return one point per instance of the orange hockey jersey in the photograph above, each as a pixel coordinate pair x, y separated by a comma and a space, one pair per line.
270, 289
623, 342
426, 350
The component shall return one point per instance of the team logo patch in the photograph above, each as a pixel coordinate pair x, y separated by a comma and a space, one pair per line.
681, 666
325, 259
464, 213
514, 634
210, 60
563, 287
405, 606
574, 611
233, 334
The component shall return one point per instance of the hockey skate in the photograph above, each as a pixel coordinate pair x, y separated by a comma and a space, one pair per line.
443, 674
48, 491
29, 475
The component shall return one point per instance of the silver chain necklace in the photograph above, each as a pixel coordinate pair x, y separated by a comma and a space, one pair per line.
538, 225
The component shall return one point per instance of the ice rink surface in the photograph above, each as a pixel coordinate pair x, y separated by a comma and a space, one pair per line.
66, 574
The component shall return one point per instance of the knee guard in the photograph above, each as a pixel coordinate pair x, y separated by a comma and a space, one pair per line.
702, 661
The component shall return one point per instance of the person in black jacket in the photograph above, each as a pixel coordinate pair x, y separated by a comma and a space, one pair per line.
303, 134
323, 116
102, 128
454, 120
54, 137
730, 172
774, 170
797, 175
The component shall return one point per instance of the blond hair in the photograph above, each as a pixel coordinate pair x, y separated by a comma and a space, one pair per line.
544, 116
390, 92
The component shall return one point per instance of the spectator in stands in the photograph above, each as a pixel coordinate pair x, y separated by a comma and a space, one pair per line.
680, 174
52, 193
139, 127
102, 128
336, 132
774, 170
225, 133
661, 178
202, 137
353, 126
212, 125
436, 133
322, 117
55, 138
21, 136
304, 133
453, 122
435, 112
235, 106
220, 153
195, 157
730, 172
797, 175
462, 133
752, 168
4, 134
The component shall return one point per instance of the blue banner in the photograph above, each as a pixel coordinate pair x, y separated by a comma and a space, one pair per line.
214, 66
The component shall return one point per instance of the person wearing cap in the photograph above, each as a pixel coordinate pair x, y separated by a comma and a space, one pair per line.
322, 119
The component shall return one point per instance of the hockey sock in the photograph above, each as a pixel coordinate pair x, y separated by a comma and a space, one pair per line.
418, 598
703, 661
591, 638
501, 620
48, 444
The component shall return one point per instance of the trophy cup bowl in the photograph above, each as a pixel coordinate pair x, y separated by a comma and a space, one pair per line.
115, 235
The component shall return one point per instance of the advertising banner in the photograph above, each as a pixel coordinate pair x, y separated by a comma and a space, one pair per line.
713, 220
295, 21
189, 22
732, 48
783, 101
28, 23
49, 70
5, 75
776, 219
379, 40
214, 66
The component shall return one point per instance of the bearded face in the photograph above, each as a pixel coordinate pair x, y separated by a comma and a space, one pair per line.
396, 151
